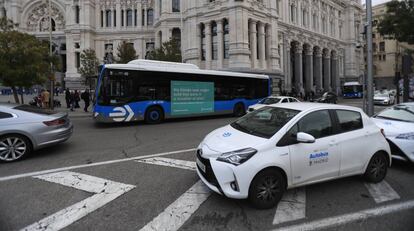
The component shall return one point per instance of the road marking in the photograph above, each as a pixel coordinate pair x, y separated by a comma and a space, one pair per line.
184, 164
105, 190
291, 207
177, 213
30, 174
350, 217
382, 191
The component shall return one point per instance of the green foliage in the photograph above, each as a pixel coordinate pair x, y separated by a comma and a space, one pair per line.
89, 65
169, 51
126, 52
24, 60
398, 21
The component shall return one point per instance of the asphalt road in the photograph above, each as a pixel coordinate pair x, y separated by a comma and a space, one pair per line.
161, 196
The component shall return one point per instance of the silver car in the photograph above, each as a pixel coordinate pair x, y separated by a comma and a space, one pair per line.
25, 128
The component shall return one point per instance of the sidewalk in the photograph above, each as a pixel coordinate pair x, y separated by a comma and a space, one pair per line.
77, 113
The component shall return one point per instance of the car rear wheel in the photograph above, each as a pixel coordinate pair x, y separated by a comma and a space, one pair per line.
267, 189
377, 168
14, 147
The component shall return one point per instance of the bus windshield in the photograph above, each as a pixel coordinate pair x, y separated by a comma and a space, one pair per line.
352, 89
116, 88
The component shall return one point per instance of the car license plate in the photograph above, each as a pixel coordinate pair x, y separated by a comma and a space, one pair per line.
201, 165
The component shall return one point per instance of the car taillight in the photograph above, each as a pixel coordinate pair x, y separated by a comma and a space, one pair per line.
382, 132
55, 122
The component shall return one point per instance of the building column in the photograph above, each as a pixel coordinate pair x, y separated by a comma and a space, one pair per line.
104, 18
145, 16
139, 16
287, 65
207, 27
309, 69
198, 43
298, 68
317, 70
327, 72
133, 17
125, 18
113, 17
253, 43
335, 79
220, 45
262, 45
118, 15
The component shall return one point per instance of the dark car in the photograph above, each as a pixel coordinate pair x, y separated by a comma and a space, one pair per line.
327, 97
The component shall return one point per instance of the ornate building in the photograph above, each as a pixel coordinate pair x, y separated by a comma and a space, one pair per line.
305, 45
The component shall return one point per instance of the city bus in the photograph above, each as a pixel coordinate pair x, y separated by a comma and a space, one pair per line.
352, 90
153, 91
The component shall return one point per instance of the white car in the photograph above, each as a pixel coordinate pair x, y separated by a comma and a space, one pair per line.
384, 99
272, 100
398, 125
284, 146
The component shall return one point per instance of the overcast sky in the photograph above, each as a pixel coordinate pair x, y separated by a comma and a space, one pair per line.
376, 2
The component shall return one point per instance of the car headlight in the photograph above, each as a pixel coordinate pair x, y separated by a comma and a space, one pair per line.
406, 136
237, 157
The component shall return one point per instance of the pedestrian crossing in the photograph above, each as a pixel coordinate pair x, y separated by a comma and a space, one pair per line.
292, 206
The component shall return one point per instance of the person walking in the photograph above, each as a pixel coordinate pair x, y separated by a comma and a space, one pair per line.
72, 100
77, 99
86, 98
44, 96
67, 98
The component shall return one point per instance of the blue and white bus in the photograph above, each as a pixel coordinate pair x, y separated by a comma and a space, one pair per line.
154, 91
352, 90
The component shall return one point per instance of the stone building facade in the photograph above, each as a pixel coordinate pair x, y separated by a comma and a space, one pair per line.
304, 45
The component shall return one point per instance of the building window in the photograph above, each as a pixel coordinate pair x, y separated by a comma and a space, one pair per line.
292, 13
150, 46
108, 18
77, 12
176, 35
382, 46
102, 17
315, 21
135, 17
226, 42
384, 57
203, 42
143, 18
109, 58
332, 28
122, 17
373, 35
214, 45
175, 5
304, 18
129, 17
159, 8
278, 6
77, 59
374, 47
150, 17
340, 30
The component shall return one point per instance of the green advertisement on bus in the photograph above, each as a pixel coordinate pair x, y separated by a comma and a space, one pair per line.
189, 97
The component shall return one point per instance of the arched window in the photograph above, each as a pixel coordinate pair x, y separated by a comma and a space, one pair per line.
226, 38
108, 18
150, 17
214, 45
129, 17
175, 5
203, 42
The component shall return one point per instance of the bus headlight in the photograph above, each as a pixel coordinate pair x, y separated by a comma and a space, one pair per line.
237, 157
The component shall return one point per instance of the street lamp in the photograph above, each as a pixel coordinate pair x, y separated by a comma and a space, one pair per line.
51, 77
370, 110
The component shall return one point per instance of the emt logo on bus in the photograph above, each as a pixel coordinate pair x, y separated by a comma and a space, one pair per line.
120, 113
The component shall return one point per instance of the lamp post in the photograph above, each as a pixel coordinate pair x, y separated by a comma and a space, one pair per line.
51, 104
370, 110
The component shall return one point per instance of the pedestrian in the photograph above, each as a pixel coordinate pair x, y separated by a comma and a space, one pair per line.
86, 98
45, 98
67, 98
72, 100
77, 98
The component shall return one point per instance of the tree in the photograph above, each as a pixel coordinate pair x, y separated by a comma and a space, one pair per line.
398, 21
169, 51
89, 65
24, 60
126, 52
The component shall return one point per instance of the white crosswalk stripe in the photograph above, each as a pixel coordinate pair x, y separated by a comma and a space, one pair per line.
183, 164
382, 191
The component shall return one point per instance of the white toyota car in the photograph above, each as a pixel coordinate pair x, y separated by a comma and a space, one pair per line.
398, 125
284, 146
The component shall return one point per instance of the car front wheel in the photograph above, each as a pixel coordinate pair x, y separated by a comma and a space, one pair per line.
267, 189
14, 147
377, 168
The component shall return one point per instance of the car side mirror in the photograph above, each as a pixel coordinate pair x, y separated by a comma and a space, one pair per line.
302, 137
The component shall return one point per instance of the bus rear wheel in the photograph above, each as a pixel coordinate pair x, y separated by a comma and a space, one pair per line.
154, 115
239, 110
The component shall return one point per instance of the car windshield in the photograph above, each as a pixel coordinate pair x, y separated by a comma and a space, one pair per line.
268, 101
264, 122
32, 109
399, 112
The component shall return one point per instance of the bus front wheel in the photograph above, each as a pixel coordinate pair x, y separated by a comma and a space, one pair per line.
154, 115
239, 110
